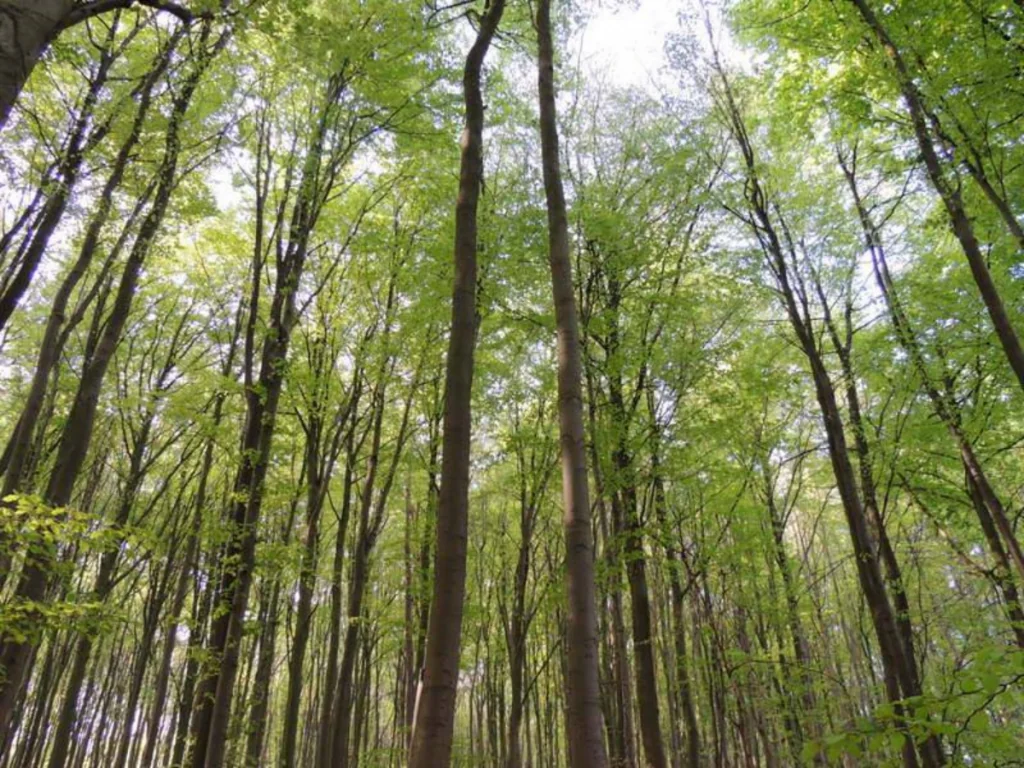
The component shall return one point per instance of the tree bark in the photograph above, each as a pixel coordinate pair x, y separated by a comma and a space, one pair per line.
26, 29
583, 695
899, 680
991, 513
215, 692
435, 715
677, 597
15, 657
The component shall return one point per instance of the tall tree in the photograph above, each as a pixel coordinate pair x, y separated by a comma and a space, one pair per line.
584, 717
435, 711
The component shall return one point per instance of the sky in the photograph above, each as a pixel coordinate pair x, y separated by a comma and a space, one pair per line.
628, 43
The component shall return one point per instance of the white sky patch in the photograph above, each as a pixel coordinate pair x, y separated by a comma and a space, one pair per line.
222, 185
628, 43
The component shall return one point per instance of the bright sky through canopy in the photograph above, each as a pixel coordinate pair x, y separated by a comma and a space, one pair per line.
628, 42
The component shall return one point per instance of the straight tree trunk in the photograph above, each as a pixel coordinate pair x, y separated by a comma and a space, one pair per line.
677, 598
19, 447
215, 692
325, 739
991, 513
435, 715
625, 514
320, 468
899, 679
583, 695
67, 174
371, 520
256, 723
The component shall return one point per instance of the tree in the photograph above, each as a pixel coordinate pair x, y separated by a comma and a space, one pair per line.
432, 731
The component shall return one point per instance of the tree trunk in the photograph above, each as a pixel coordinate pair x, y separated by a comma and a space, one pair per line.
435, 716
991, 514
19, 447
214, 694
899, 680
677, 599
26, 29
256, 723
585, 720
325, 740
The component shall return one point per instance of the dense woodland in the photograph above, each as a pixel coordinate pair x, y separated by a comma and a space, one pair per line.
678, 425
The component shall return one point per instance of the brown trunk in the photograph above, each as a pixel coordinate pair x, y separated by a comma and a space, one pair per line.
435, 716
893, 573
127, 744
202, 606
325, 736
618, 697
991, 514
583, 695
19, 447
260, 699
66, 177
405, 700
677, 597
627, 530
535, 465
371, 521
1001, 574
215, 692
320, 462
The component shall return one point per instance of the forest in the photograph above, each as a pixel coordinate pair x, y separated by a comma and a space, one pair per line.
425, 383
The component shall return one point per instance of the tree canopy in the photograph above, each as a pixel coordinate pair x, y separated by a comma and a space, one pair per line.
383, 383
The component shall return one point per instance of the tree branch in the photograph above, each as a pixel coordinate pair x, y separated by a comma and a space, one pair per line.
89, 10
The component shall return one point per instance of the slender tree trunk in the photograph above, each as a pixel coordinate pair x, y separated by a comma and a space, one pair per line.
899, 680
19, 447
435, 716
585, 720
625, 514
128, 742
215, 693
893, 572
260, 698
371, 519
677, 599
319, 477
991, 513
325, 740
68, 170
